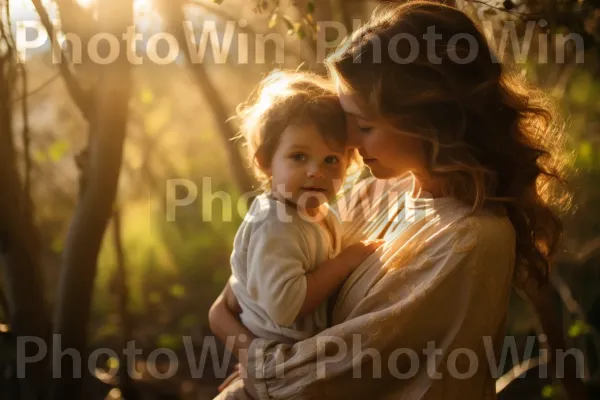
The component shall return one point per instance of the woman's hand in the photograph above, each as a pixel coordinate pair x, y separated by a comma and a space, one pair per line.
231, 302
232, 377
238, 373
225, 324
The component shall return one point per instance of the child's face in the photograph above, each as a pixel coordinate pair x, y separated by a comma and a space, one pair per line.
305, 169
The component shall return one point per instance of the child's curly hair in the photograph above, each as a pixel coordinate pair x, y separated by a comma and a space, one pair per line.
285, 98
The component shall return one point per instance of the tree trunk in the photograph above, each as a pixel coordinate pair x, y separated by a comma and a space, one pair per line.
542, 298
19, 243
128, 390
95, 207
174, 17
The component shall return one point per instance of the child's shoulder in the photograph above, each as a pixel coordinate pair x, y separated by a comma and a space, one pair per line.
266, 213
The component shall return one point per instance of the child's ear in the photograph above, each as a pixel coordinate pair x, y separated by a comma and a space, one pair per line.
264, 166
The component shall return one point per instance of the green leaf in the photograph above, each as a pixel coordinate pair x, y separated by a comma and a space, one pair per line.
580, 89
273, 21
218, 1
154, 297
57, 150
585, 152
548, 392
112, 363
57, 245
289, 24
188, 321
168, 341
578, 328
108, 330
310, 7
177, 291
147, 96
39, 156
300, 32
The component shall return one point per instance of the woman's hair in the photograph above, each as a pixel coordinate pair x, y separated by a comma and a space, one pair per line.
488, 135
282, 99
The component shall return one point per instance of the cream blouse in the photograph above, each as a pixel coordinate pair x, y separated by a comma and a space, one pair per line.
423, 318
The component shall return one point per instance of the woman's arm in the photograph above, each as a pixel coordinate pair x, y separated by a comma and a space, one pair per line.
321, 282
427, 302
225, 324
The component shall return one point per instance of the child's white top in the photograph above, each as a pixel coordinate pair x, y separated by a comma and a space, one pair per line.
273, 249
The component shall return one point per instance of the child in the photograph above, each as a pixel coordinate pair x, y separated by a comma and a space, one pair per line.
287, 258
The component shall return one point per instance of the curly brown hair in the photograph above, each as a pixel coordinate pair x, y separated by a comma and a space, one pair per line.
490, 137
285, 98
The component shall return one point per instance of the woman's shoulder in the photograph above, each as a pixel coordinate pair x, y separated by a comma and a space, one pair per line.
372, 186
371, 195
483, 230
494, 225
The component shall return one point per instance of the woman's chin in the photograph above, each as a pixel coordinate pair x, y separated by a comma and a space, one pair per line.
381, 172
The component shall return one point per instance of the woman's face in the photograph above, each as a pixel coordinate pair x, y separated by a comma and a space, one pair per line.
387, 153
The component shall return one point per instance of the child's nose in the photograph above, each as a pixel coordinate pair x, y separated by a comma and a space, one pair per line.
315, 171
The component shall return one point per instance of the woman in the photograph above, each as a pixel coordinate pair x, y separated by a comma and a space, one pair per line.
426, 319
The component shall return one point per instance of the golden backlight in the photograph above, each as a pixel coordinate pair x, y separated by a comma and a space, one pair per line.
24, 5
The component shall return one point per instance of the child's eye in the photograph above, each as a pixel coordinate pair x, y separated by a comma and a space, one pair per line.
331, 160
298, 157
365, 129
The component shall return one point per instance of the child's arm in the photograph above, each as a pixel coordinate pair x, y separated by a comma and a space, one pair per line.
277, 278
329, 275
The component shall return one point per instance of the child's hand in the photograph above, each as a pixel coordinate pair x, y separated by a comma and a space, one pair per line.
355, 254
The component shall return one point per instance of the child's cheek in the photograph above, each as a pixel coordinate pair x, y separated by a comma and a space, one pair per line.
338, 178
341, 170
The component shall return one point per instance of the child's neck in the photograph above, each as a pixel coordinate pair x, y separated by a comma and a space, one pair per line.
310, 213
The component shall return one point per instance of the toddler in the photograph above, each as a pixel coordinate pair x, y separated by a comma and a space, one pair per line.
288, 258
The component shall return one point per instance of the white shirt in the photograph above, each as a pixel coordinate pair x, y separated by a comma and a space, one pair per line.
274, 248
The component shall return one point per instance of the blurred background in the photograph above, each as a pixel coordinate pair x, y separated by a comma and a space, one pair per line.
65, 125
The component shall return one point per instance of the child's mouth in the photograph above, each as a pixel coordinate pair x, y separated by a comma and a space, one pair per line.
314, 189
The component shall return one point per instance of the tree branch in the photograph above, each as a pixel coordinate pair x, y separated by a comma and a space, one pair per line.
542, 297
518, 370
82, 99
95, 207
174, 16
26, 141
41, 87
217, 11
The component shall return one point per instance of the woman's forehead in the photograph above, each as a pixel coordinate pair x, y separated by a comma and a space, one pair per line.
348, 103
